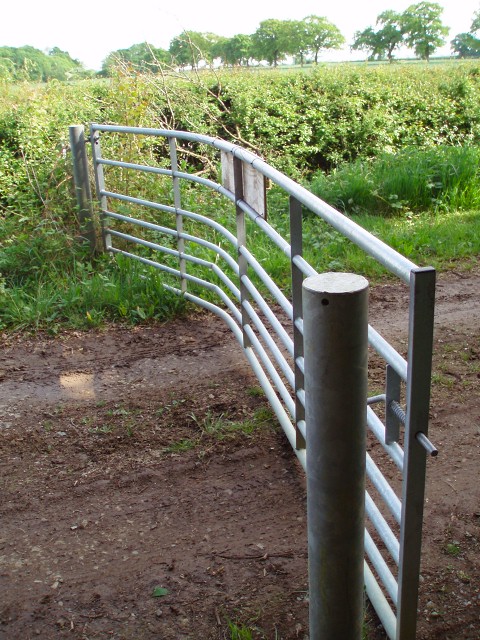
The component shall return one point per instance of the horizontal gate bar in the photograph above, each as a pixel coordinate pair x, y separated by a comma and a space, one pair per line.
394, 450
269, 314
190, 177
271, 233
388, 353
268, 282
173, 232
277, 406
272, 372
304, 267
167, 209
300, 362
381, 568
372, 245
374, 399
284, 366
382, 527
158, 247
380, 603
384, 489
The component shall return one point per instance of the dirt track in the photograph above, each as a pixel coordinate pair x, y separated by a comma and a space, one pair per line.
113, 484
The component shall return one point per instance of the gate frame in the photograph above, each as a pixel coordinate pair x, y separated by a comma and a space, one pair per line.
415, 372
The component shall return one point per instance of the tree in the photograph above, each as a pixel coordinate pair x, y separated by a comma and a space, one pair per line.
391, 33
7, 69
299, 40
320, 34
220, 49
385, 40
367, 40
192, 47
465, 45
423, 28
475, 23
294, 38
181, 51
28, 63
272, 41
60, 65
142, 56
238, 50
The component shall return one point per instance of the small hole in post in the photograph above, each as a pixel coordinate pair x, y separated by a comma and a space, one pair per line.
325, 302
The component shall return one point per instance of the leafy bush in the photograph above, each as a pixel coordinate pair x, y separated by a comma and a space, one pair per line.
302, 122
299, 121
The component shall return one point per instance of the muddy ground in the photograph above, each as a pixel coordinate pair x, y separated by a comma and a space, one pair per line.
146, 491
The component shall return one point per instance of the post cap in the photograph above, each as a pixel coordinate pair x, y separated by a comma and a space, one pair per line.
337, 283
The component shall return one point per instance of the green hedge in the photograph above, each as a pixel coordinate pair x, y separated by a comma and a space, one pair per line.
299, 121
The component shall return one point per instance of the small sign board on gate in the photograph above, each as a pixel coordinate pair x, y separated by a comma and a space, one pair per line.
254, 184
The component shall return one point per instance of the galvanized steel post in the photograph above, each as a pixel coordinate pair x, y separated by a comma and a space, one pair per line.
335, 313
82, 184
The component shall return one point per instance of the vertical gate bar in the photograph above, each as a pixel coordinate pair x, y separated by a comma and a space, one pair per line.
422, 302
241, 242
178, 216
335, 316
392, 393
296, 243
82, 185
100, 186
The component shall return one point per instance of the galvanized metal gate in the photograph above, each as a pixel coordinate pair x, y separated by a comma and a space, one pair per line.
272, 336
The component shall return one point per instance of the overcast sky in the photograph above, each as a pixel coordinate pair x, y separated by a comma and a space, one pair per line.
90, 29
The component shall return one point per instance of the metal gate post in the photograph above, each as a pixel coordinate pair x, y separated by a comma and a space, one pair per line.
82, 184
422, 303
100, 186
335, 315
178, 216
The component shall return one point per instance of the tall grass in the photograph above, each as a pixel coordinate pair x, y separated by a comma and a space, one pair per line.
411, 180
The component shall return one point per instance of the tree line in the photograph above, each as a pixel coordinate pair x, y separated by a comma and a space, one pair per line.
273, 42
419, 28
29, 63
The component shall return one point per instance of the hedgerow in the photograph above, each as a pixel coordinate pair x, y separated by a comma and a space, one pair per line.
298, 121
